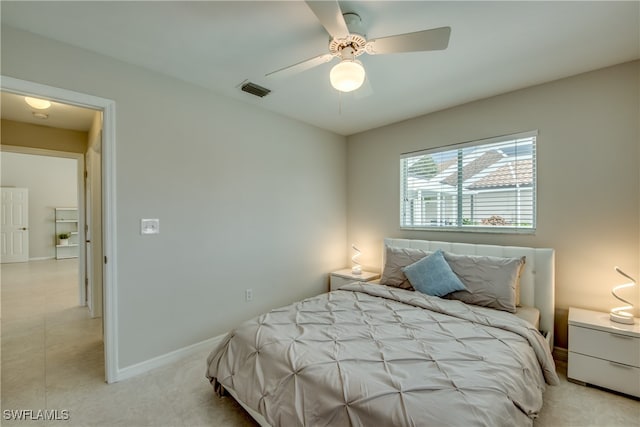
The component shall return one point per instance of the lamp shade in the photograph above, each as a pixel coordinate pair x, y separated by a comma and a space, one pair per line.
356, 268
622, 314
347, 76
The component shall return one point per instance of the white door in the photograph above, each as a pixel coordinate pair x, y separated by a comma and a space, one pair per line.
14, 225
88, 290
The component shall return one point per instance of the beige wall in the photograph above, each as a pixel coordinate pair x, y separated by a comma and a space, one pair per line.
44, 137
52, 182
246, 198
588, 183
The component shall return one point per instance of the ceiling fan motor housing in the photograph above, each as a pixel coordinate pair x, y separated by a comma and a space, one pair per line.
355, 40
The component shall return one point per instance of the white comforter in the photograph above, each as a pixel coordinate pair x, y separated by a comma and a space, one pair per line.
371, 355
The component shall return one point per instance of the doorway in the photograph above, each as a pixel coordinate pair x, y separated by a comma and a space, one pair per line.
48, 209
107, 197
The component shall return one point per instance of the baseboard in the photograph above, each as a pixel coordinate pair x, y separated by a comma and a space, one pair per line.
560, 354
165, 359
42, 258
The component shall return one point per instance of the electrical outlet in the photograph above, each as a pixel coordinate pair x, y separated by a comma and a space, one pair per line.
248, 295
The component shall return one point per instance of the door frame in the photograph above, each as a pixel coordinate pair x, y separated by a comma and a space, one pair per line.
109, 282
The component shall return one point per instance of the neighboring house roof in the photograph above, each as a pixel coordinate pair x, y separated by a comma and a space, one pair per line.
512, 174
473, 167
490, 170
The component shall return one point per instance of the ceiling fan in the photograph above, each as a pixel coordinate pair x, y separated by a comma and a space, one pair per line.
348, 41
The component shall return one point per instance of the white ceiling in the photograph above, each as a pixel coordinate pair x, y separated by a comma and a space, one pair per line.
495, 47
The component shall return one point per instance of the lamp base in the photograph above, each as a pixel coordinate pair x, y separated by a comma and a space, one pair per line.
621, 318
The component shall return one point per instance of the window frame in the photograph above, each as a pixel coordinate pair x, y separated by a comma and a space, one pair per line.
459, 225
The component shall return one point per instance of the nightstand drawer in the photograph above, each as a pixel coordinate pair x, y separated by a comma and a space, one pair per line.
615, 376
605, 345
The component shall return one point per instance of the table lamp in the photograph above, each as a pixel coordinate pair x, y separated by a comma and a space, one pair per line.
357, 268
622, 314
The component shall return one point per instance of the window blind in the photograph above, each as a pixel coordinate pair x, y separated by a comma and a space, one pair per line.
484, 185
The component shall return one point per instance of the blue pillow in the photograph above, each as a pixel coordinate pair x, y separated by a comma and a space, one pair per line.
433, 276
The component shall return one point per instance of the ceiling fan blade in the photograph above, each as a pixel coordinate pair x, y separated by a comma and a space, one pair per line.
434, 39
301, 66
330, 16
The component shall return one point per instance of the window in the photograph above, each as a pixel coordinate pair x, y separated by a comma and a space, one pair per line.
486, 185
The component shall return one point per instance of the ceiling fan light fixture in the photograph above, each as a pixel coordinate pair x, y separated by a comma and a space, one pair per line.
347, 76
38, 104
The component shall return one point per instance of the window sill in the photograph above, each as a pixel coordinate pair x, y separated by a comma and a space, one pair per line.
488, 230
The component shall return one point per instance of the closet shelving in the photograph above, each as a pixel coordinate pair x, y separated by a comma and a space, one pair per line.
66, 222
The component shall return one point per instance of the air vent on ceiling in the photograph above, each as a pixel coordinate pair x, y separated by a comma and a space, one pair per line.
255, 89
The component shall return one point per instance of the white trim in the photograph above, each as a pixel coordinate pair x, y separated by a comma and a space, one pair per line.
41, 258
110, 319
40, 151
168, 358
82, 264
109, 244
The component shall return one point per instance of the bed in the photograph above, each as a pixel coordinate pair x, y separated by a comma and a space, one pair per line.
379, 354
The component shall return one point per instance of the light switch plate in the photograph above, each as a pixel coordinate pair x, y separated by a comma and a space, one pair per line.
149, 226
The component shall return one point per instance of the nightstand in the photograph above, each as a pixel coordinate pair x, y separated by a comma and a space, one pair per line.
342, 277
604, 353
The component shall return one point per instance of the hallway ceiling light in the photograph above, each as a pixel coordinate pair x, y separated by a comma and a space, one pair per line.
38, 104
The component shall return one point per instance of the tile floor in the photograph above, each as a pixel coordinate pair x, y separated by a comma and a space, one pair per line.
52, 358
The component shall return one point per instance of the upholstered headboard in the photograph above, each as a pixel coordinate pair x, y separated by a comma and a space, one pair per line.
537, 282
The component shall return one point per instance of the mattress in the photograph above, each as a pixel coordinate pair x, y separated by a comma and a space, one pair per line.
375, 355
